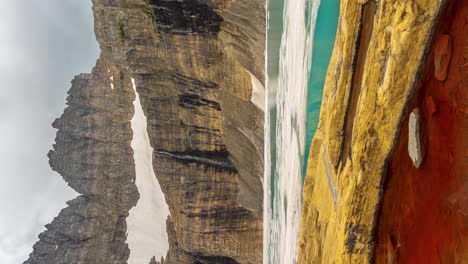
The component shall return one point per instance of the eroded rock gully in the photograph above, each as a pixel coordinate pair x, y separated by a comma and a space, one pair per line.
191, 62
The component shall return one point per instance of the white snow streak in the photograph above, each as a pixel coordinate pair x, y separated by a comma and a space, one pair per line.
112, 82
146, 223
258, 92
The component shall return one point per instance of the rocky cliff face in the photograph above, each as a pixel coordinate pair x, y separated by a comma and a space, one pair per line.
377, 61
193, 62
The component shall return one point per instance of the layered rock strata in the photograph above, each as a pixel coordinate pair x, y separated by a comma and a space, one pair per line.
374, 70
191, 61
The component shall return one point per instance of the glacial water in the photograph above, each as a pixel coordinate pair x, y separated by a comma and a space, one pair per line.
296, 66
324, 39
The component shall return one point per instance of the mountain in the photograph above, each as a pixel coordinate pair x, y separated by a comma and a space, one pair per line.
198, 73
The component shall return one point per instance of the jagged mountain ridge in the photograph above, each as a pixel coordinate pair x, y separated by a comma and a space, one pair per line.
191, 61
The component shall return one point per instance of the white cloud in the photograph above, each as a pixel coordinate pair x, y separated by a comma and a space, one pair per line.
44, 44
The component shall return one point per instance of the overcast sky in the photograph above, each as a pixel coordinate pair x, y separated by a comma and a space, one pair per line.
43, 44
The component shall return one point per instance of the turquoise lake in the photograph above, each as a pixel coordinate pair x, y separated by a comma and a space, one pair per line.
300, 40
324, 39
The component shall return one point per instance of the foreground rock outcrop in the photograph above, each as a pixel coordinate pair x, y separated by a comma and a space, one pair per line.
193, 63
424, 213
376, 65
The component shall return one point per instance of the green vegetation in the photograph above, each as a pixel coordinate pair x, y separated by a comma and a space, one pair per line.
122, 32
183, 125
186, 132
149, 12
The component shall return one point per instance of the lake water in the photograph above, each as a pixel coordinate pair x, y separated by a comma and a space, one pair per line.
300, 39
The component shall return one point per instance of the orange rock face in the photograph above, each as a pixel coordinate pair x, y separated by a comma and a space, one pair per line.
442, 55
424, 213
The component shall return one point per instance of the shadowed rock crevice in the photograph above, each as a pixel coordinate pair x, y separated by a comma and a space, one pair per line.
186, 17
213, 260
193, 101
368, 11
216, 159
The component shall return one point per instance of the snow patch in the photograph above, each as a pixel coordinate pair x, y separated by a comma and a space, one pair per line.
258, 92
112, 82
146, 223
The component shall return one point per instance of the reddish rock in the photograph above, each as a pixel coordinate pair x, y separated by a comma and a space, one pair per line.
442, 55
459, 200
424, 212
431, 106
391, 251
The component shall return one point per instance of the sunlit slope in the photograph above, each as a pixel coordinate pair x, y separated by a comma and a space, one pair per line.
372, 74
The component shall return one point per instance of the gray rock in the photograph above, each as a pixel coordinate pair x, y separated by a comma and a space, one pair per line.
415, 148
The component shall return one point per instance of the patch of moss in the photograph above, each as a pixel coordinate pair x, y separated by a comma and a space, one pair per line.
186, 132
149, 12
122, 32
183, 125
